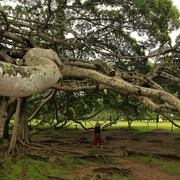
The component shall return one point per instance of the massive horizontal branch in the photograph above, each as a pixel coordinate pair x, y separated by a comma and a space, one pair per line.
41, 73
120, 84
163, 108
139, 79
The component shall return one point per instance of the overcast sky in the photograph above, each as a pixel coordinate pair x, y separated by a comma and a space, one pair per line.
177, 3
176, 33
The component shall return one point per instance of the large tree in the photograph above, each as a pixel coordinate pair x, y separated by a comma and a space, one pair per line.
80, 46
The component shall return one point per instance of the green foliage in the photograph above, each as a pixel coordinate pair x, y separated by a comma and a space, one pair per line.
82, 104
159, 13
103, 25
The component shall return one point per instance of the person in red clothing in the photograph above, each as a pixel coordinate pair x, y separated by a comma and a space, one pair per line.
97, 135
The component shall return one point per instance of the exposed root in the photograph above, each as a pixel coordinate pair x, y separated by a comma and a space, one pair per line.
167, 155
33, 150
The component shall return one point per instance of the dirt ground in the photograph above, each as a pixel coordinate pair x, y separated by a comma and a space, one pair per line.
118, 146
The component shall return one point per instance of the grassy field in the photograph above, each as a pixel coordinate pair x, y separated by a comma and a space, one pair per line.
141, 126
145, 126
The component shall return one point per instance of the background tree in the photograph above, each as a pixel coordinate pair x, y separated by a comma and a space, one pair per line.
80, 47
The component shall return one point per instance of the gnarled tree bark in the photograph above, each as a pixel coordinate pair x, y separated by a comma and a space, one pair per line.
41, 72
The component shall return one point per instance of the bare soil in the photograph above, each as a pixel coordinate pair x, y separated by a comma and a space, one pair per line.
119, 146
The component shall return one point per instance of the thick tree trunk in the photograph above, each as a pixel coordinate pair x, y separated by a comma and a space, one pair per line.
20, 134
23, 131
3, 115
15, 128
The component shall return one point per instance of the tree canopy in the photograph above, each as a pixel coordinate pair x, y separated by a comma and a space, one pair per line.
82, 56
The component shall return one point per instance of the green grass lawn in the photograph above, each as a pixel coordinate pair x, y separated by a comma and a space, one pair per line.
142, 126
